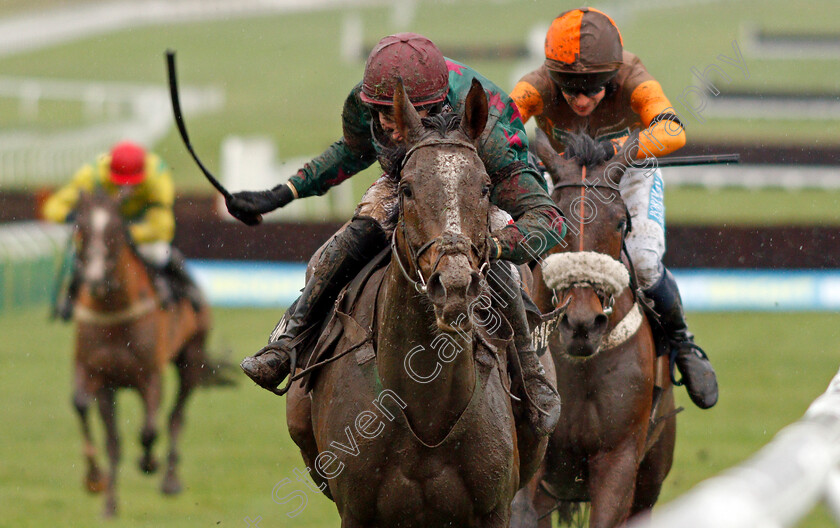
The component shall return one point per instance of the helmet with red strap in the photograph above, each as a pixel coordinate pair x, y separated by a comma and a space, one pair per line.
583, 50
412, 58
128, 162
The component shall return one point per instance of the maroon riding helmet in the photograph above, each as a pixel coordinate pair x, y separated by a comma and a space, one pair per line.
412, 58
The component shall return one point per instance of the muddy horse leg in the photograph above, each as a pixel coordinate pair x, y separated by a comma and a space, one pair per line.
106, 400
299, 422
94, 480
151, 394
189, 364
611, 485
653, 470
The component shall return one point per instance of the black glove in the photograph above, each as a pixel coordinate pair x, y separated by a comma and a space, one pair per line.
249, 206
610, 147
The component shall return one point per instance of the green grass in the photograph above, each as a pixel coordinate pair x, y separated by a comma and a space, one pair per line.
752, 207
235, 446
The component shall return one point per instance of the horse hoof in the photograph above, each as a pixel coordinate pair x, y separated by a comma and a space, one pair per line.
95, 482
148, 465
171, 486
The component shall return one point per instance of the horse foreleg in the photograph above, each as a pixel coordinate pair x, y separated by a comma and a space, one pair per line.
151, 394
105, 399
189, 365
654, 468
299, 422
94, 480
612, 480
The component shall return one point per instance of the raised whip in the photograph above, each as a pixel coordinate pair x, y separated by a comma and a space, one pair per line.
179, 120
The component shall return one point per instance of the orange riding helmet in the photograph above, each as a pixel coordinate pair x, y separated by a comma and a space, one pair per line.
583, 49
128, 163
412, 58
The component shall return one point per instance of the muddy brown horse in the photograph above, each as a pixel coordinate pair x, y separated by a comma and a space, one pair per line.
614, 444
125, 339
414, 425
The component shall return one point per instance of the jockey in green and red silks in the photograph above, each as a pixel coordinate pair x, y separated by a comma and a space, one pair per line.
434, 84
518, 187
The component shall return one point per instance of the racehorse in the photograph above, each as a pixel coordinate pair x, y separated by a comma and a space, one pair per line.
125, 339
614, 444
412, 424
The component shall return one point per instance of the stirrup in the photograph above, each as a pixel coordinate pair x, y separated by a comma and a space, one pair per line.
280, 346
291, 349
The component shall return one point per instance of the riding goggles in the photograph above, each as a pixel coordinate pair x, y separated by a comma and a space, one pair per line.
588, 84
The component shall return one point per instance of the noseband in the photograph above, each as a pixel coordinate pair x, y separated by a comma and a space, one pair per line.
448, 243
607, 295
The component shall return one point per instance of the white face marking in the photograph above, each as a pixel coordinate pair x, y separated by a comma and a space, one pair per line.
95, 269
450, 166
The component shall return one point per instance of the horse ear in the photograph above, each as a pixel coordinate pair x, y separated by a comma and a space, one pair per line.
475, 111
405, 116
559, 168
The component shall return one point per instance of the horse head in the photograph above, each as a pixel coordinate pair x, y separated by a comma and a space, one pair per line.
585, 272
100, 237
444, 196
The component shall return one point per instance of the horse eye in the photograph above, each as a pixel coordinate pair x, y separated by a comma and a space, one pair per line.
407, 192
485, 190
621, 224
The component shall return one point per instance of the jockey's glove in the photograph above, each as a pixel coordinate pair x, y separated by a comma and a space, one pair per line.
249, 206
611, 147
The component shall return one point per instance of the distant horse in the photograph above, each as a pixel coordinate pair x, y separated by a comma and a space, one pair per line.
412, 425
614, 444
125, 339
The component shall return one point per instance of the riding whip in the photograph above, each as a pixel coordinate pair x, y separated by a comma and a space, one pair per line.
682, 161
179, 120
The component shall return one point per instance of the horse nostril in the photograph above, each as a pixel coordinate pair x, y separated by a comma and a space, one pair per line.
564, 323
435, 289
600, 323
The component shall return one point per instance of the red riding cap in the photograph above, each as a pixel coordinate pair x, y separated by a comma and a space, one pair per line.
128, 163
414, 59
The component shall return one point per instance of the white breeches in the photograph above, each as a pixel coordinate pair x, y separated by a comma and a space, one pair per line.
644, 194
155, 253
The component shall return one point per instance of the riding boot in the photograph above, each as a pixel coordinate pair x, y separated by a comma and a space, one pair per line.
185, 285
66, 300
162, 286
346, 254
698, 376
543, 401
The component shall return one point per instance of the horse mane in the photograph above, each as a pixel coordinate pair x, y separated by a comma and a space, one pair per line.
443, 124
584, 150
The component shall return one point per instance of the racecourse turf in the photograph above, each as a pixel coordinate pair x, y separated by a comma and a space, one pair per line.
235, 446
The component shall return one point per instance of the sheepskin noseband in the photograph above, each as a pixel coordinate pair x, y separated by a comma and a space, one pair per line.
564, 270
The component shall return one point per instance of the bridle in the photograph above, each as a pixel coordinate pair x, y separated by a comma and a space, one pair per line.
449, 244
607, 300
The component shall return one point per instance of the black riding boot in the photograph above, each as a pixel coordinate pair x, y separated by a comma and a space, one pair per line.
698, 374
340, 261
184, 284
543, 402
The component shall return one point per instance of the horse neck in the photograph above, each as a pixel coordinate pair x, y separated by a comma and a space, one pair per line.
409, 359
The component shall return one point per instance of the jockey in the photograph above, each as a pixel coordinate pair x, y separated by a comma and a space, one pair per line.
588, 82
434, 84
142, 183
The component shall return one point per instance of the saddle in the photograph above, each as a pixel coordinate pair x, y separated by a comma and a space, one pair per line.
349, 326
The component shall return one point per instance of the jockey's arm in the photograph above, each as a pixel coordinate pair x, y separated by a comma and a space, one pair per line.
538, 224
518, 189
664, 133
349, 155
58, 207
